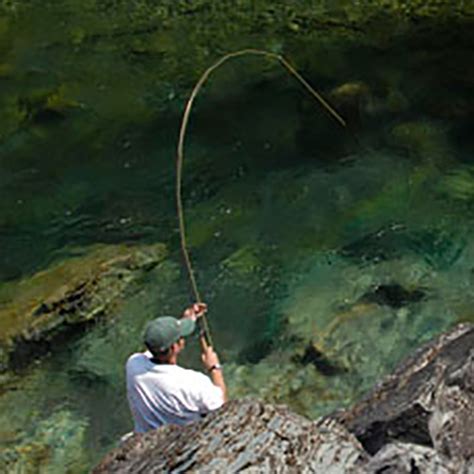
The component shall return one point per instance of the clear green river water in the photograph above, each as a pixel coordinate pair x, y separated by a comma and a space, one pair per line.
325, 254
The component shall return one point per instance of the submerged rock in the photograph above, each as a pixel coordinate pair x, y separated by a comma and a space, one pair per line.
458, 184
421, 139
349, 98
420, 419
393, 295
314, 355
52, 445
67, 296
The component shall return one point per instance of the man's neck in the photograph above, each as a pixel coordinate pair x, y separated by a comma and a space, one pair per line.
165, 361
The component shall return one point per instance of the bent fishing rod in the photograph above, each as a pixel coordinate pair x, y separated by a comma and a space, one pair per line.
205, 331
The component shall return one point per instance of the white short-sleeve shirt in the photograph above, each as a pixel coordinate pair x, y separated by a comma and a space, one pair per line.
159, 394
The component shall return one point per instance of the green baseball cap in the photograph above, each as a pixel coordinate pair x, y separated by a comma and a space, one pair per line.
164, 331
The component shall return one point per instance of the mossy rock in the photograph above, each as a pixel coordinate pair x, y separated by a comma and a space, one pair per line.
422, 139
52, 445
458, 184
12, 115
70, 294
243, 262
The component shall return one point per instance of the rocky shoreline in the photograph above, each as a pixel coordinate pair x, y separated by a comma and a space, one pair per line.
420, 419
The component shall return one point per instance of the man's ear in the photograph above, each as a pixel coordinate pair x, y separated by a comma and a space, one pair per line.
174, 347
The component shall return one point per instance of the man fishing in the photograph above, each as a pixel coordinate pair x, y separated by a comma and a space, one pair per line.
159, 391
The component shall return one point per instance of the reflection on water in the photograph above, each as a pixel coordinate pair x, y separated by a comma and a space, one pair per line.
306, 238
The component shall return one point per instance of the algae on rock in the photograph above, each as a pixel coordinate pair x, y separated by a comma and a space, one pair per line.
53, 445
36, 310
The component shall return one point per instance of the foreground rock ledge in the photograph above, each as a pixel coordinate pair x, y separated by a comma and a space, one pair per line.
419, 420
245, 436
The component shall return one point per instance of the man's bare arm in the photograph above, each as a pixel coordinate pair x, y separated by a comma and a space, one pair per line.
209, 356
211, 363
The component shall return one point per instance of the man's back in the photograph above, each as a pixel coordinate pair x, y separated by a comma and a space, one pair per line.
167, 393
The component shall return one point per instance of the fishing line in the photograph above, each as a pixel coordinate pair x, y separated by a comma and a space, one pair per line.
204, 325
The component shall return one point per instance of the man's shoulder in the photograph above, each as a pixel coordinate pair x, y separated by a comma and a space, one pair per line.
138, 355
138, 358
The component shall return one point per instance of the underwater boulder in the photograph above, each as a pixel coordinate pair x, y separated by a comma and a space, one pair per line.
394, 295
424, 140
66, 297
350, 99
458, 184
52, 445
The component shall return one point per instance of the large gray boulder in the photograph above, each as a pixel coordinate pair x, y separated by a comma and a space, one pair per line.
419, 420
244, 436
427, 401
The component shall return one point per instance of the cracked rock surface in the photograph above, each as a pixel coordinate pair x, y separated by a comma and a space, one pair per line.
427, 401
244, 436
420, 419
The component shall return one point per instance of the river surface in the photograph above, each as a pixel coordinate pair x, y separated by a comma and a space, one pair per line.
326, 254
